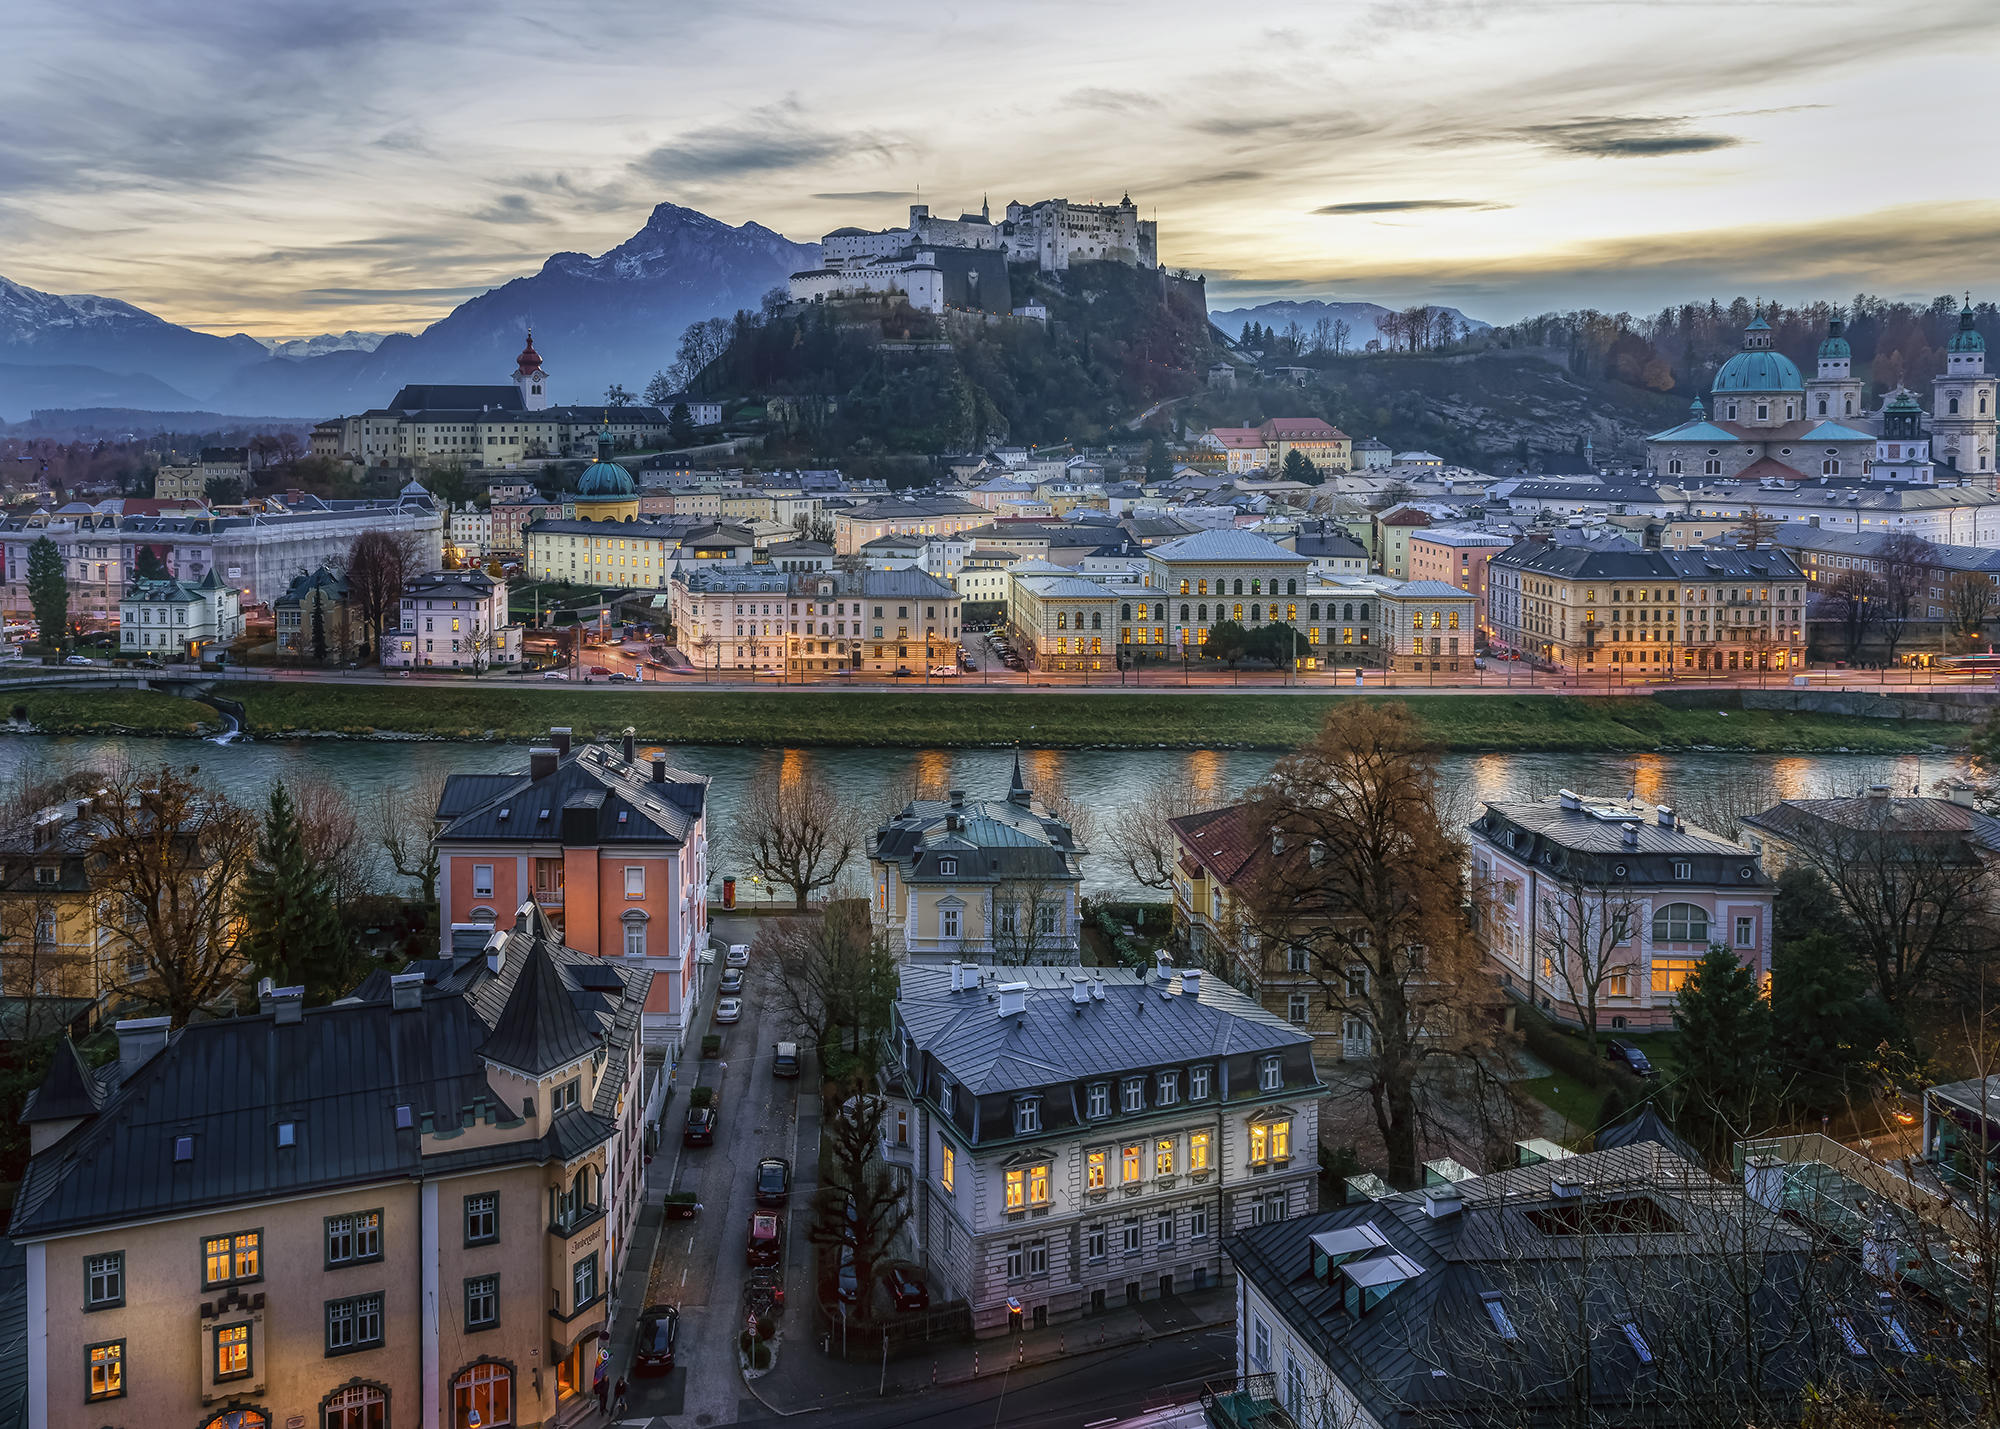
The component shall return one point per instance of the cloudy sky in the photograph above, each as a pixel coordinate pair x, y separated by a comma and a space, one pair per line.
286, 169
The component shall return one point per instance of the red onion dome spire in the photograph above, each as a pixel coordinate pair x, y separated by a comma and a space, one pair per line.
530, 360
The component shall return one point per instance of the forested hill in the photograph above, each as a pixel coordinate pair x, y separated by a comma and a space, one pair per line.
878, 376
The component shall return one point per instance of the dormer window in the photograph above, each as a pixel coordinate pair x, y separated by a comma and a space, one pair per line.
1099, 1102
1198, 1084
1270, 1075
947, 867
1027, 1116
1170, 1087
1135, 1094
945, 1098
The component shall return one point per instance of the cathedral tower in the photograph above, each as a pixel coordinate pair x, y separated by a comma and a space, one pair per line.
529, 377
1834, 394
1964, 418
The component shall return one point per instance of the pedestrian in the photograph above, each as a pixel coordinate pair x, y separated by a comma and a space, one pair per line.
601, 1382
618, 1398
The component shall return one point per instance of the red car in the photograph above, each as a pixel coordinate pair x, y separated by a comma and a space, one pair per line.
762, 1246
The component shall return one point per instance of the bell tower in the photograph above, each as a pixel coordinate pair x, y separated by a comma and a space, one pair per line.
530, 378
1834, 394
1965, 406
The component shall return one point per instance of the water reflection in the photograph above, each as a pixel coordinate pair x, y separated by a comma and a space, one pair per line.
1102, 781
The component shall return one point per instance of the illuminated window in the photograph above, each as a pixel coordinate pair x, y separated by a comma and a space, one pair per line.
107, 1370
1670, 973
1131, 1166
1017, 1190
232, 1351
1163, 1156
1198, 1151
1038, 1184
1094, 1171
227, 1259
1270, 1142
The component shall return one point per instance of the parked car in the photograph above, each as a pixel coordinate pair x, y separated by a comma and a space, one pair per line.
846, 1285
784, 1059
619, 677
739, 955
944, 672
402, 674
554, 675
774, 1181
908, 1292
728, 1010
86, 660
761, 1246
1630, 1058
700, 1128
902, 672
732, 980
653, 1349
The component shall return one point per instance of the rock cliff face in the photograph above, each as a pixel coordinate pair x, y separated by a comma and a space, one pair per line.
617, 317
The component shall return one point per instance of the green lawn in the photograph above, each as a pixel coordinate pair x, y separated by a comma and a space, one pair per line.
72, 711
1055, 720
1575, 1103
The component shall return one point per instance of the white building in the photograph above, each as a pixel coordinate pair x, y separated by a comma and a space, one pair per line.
454, 620
471, 531
1158, 1116
178, 619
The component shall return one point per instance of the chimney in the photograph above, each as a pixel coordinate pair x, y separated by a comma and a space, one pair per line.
541, 762
559, 737
138, 1039
1878, 791
1961, 794
1629, 835
1664, 815
631, 745
406, 991
288, 1005
1191, 982
1163, 966
264, 989
1569, 799
659, 768
1097, 988
957, 975
1443, 1201
1079, 988
1567, 1187
1013, 998
958, 798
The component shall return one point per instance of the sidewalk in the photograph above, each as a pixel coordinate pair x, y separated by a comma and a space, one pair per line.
805, 1379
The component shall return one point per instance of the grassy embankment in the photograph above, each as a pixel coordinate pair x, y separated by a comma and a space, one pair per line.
969, 718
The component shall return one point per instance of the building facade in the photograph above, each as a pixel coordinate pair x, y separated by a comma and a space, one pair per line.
855, 526
1161, 1114
319, 596
815, 622
612, 848
186, 620
1457, 557
1610, 901
453, 620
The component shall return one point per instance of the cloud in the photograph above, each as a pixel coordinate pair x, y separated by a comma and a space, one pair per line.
1113, 101
1226, 176
772, 139
1624, 137
869, 196
509, 208
1408, 205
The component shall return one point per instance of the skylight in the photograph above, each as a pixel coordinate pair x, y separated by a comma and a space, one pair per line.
1336, 1248
183, 1148
1496, 1311
1638, 1342
288, 1133
404, 1117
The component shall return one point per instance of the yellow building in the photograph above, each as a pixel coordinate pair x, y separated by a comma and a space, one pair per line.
48, 915
854, 527
405, 1208
180, 483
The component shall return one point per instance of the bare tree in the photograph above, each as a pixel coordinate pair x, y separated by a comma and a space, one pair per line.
864, 1203
1031, 922
1364, 878
796, 831
1586, 936
1142, 835
379, 564
1755, 526
1969, 595
169, 855
406, 828
1906, 562
836, 979
1343, 333
1852, 599
331, 833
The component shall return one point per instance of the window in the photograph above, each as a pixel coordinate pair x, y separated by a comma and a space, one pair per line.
1135, 1094
1636, 1340
1017, 1189
358, 1406
1128, 1236
1850, 1337
1163, 1156
1297, 1008
1038, 1257
1260, 1341
635, 940
1198, 1150
353, 1324
635, 881
232, 1352
1170, 1088
1198, 1084
1270, 1143
1027, 1115
947, 922
1094, 1170
945, 1160
1100, 1099
482, 880
482, 1218
353, 1239
945, 1098
482, 1302
1270, 1075
106, 1363
1746, 932
1094, 1243
1129, 1165
485, 1394
104, 1281
947, 866
1015, 1263
1357, 982
583, 1282
564, 1097
1680, 923
1683, 871
1297, 959
1496, 1311
229, 1259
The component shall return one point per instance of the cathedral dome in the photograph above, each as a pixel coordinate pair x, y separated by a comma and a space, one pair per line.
1967, 338
1835, 348
604, 481
1760, 371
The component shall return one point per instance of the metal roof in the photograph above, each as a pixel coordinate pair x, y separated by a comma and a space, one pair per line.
1217, 546
626, 804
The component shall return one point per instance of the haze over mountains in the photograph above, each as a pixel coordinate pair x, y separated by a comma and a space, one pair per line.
616, 317
1364, 320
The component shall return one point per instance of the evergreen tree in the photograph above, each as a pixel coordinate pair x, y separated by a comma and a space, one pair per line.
1725, 1029
148, 566
48, 593
1249, 335
318, 628
291, 926
1159, 465
680, 425
1298, 467
1825, 1028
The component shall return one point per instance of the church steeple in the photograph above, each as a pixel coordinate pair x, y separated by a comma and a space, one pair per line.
530, 378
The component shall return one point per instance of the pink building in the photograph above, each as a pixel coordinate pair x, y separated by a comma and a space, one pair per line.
1617, 897
1458, 558
612, 847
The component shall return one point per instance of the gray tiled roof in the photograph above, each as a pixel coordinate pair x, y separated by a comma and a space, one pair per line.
992, 841
1138, 1024
539, 1028
1224, 546
1585, 841
68, 1088
592, 791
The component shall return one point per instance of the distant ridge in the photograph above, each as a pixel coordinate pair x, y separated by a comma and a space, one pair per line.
1363, 319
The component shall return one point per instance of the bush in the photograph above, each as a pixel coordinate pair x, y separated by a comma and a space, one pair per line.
1564, 1053
1337, 1163
701, 1096
765, 1327
711, 1045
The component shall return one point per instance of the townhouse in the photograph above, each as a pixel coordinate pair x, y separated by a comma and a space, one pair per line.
815, 622
185, 619
453, 620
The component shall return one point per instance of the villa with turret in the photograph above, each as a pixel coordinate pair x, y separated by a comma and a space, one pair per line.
434, 424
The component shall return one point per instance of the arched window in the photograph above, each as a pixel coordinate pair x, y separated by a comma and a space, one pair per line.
1125, 611
1239, 611
482, 1396
1256, 587
1954, 406
823, 628
1159, 610
1674, 467
1184, 611
1822, 406
1348, 611
1982, 404
1364, 610
239, 1419
1239, 588
1291, 587
1256, 613
357, 1406
1062, 620
1711, 467
1096, 619
1829, 467
1312, 611
1184, 586
1201, 588
1680, 923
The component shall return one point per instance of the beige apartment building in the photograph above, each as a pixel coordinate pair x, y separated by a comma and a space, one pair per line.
855, 526
180, 483
810, 623
411, 1207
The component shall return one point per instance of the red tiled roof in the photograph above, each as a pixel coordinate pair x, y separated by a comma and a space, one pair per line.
1222, 840
1294, 429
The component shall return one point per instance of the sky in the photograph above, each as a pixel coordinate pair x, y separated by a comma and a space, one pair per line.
285, 169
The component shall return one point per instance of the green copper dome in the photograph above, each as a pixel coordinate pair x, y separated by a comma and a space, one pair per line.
1835, 346
1967, 338
604, 479
1759, 372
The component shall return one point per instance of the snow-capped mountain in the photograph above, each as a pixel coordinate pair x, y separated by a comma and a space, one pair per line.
349, 341
1363, 319
113, 338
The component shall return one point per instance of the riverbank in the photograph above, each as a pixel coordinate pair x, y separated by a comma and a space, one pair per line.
971, 719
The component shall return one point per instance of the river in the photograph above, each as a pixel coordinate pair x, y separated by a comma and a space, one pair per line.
1103, 781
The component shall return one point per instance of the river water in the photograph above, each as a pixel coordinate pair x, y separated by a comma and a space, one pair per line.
1102, 781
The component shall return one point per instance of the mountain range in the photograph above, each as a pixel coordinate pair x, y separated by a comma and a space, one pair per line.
1364, 320
349, 341
617, 317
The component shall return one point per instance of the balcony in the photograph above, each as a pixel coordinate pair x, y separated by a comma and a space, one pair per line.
549, 897
1249, 1403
